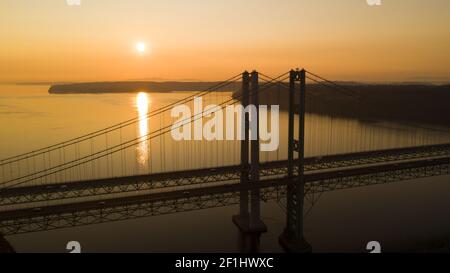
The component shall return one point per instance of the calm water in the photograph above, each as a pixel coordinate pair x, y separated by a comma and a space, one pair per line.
407, 215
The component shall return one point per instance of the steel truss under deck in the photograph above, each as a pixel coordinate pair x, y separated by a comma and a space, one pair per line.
95, 212
105, 187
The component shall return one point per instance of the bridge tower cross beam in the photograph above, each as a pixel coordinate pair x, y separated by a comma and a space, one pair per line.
292, 239
249, 218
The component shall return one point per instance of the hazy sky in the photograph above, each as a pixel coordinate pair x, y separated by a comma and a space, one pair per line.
47, 40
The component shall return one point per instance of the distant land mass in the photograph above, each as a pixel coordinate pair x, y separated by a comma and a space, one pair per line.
136, 86
423, 104
406, 102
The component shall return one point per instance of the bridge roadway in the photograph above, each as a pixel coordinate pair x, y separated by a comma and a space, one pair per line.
116, 209
104, 187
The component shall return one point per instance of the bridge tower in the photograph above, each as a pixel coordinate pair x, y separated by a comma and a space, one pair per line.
292, 239
249, 219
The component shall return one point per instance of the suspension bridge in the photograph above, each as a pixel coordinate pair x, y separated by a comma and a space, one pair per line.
135, 169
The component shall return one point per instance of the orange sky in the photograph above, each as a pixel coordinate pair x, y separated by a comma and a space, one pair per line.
401, 40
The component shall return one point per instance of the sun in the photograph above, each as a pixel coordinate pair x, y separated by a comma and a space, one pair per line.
141, 47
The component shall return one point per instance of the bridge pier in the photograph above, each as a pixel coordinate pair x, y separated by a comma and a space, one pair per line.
249, 218
292, 239
5, 246
249, 243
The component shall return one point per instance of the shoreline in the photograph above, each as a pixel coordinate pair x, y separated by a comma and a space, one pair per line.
412, 103
134, 87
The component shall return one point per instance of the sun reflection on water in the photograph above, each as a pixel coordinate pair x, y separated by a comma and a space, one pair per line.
142, 105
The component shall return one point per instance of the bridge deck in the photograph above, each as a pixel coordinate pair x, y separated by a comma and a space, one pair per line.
79, 189
91, 212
